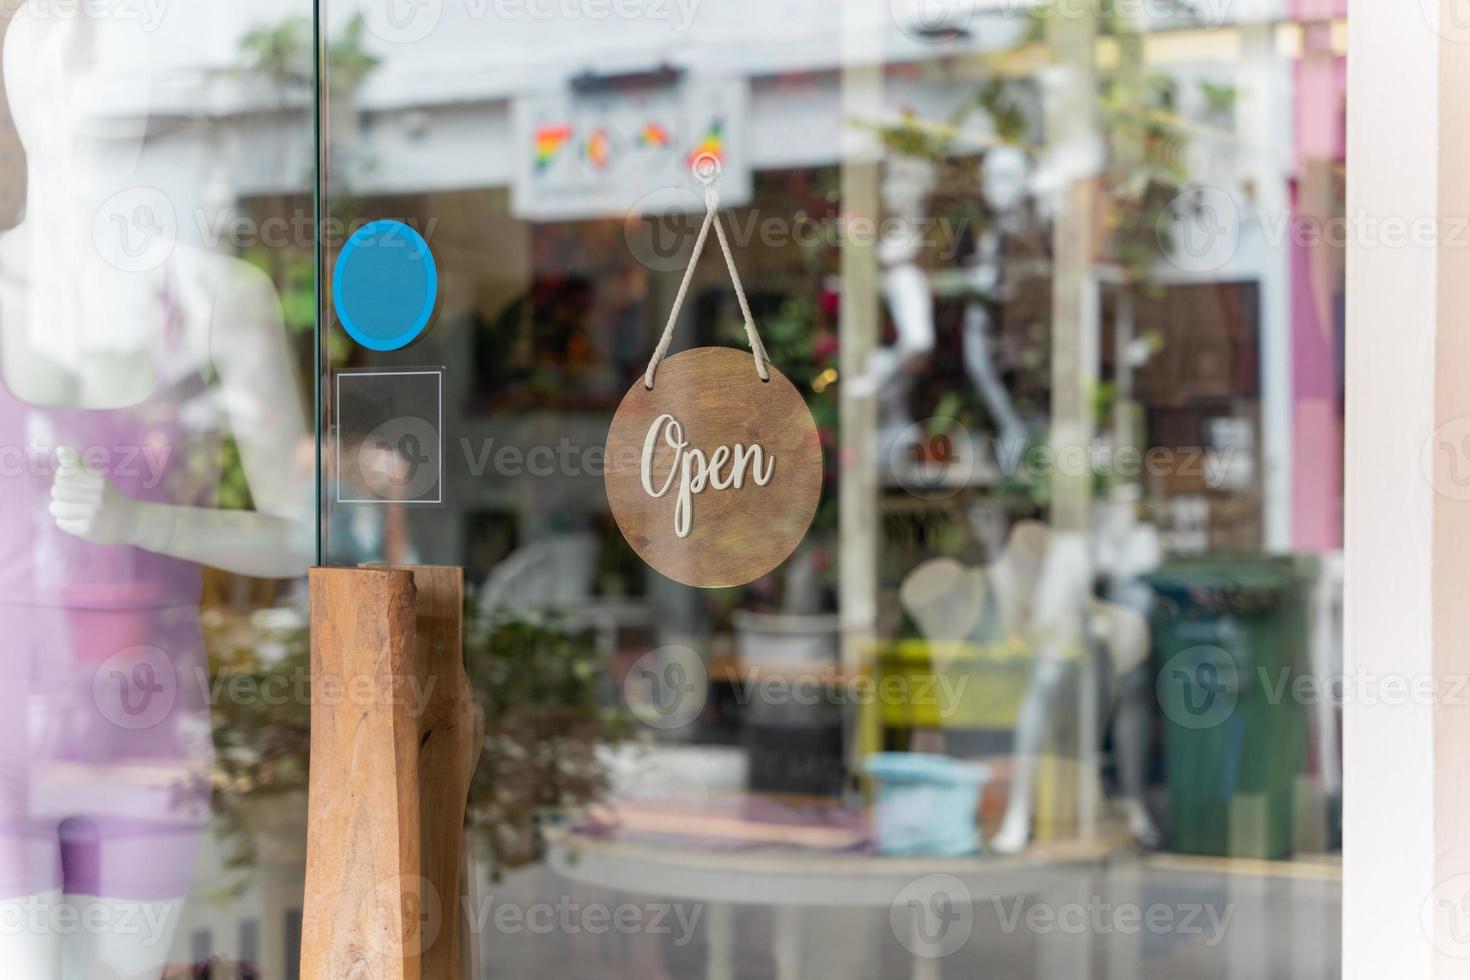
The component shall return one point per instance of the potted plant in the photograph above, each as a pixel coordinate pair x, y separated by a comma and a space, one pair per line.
540, 683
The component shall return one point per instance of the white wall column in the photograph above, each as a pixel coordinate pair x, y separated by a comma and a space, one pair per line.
1406, 902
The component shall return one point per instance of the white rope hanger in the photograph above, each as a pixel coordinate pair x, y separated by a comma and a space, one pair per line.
757, 349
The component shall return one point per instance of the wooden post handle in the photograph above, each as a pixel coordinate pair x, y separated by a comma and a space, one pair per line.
393, 745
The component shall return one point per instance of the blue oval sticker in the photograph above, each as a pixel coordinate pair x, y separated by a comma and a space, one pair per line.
385, 285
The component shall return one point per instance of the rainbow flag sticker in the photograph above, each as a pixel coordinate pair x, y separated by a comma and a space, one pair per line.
549, 141
598, 149
653, 134
712, 144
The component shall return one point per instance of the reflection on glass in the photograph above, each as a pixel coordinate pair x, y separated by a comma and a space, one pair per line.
1080, 408
152, 435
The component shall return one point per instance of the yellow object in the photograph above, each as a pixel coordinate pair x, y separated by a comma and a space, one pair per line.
918, 684
1056, 798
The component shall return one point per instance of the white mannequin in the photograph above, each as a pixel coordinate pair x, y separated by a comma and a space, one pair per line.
1040, 588
1060, 613
1066, 622
1005, 174
906, 185
75, 332
907, 182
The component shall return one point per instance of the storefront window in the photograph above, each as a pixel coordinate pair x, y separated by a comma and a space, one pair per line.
1057, 287
894, 449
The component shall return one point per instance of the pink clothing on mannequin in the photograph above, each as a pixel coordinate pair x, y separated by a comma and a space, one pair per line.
105, 746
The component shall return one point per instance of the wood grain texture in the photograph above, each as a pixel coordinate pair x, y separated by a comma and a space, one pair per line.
395, 735
450, 734
735, 535
362, 851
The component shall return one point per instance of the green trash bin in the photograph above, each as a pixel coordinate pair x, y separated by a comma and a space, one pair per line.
1229, 642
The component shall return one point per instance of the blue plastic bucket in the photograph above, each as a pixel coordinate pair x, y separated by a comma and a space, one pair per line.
926, 804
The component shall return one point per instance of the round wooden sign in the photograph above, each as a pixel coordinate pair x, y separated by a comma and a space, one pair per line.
713, 475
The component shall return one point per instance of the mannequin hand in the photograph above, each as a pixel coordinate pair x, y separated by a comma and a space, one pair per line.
85, 503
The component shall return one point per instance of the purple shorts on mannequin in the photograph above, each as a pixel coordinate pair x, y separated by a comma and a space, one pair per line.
104, 752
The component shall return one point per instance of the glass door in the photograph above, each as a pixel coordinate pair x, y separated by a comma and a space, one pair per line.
895, 450
157, 315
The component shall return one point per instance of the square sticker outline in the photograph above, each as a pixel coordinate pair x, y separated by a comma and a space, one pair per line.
438, 375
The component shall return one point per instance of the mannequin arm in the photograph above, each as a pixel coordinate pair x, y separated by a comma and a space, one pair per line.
244, 542
247, 344
84, 502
